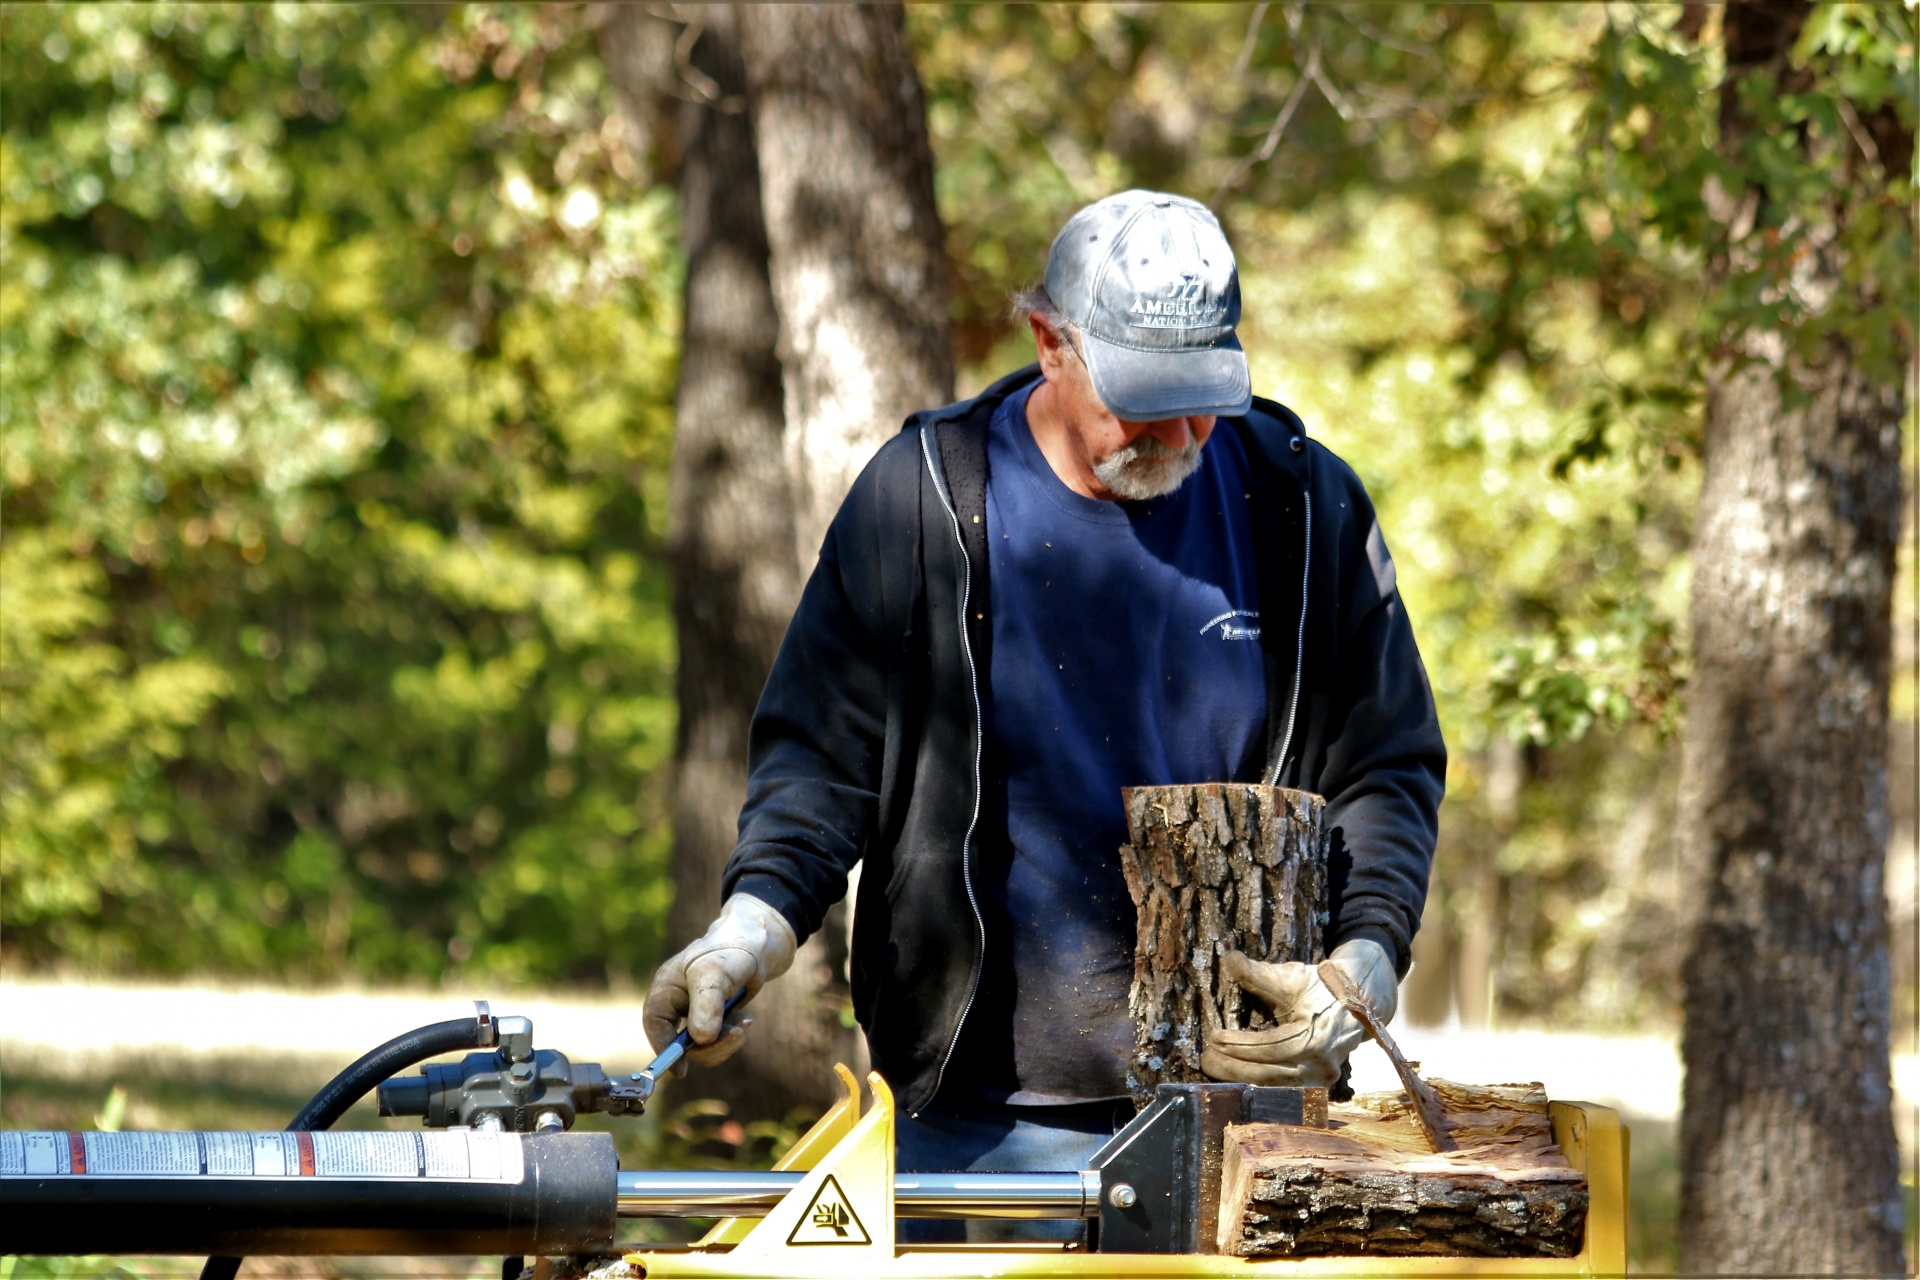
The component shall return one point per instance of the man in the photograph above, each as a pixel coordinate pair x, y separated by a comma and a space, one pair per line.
1114, 568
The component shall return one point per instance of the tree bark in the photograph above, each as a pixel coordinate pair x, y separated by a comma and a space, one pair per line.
1367, 1184
730, 535
1788, 1158
858, 255
1213, 868
639, 49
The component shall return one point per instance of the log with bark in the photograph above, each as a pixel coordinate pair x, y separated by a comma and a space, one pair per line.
1213, 868
1368, 1184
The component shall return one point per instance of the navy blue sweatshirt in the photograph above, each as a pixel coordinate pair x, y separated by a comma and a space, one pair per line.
1125, 652
870, 739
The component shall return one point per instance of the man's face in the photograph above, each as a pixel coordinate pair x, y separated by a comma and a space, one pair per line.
1128, 461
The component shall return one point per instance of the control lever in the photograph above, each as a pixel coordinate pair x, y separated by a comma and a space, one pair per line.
634, 1091
521, 1089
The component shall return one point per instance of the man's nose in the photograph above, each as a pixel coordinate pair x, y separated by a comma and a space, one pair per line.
1174, 433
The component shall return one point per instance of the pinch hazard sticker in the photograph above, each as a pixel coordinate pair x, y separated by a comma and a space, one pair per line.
830, 1219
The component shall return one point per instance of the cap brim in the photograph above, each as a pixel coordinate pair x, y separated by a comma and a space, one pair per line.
1144, 386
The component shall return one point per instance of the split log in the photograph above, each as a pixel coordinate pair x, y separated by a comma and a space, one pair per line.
1212, 868
1367, 1184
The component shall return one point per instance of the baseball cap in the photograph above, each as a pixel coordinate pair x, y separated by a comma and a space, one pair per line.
1150, 280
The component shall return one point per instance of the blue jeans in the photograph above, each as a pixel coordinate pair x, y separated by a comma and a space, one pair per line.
984, 1138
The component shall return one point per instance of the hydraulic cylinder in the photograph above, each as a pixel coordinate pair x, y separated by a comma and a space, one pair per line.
401, 1193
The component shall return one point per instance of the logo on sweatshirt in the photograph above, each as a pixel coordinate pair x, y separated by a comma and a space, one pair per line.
1236, 624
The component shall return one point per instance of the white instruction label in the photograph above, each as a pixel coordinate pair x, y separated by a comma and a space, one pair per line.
142, 1154
456, 1156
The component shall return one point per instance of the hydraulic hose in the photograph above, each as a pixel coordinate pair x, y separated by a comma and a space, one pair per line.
360, 1079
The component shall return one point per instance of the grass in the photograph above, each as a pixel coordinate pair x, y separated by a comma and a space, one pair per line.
1653, 1197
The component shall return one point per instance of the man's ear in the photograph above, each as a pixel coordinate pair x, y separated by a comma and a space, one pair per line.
1051, 348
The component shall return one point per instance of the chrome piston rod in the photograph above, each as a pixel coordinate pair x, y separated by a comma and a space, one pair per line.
726, 1193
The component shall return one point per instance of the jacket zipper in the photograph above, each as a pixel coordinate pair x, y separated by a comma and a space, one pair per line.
1299, 649
979, 733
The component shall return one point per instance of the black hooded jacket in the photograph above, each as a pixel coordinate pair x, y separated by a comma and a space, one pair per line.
867, 743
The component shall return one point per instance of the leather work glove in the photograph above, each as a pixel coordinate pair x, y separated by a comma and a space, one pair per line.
748, 946
1313, 1032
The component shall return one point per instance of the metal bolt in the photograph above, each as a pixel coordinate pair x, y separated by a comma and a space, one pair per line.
549, 1122
1122, 1196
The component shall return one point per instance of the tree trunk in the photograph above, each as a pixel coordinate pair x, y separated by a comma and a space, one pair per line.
858, 257
1788, 1157
638, 48
1213, 868
1367, 1184
730, 539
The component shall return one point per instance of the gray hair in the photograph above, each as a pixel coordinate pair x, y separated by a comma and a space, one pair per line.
1035, 301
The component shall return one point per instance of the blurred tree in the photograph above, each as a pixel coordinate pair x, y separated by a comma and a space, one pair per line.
337, 357
821, 106
1789, 1161
731, 545
858, 274
858, 259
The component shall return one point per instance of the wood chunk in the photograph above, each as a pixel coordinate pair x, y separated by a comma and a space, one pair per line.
1214, 867
1426, 1105
1368, 1184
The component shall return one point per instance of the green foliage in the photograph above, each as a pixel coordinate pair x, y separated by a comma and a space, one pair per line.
338, 370
1555, 688
1821, 169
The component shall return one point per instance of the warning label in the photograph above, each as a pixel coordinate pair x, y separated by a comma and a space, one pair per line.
830, 1219
460, 1155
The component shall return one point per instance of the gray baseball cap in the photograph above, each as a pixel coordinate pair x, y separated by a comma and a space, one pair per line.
1150, 280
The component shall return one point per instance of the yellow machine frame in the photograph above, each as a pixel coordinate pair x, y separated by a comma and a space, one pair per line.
849, 1162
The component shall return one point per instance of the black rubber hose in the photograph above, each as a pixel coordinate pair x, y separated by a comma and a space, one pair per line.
358, 1080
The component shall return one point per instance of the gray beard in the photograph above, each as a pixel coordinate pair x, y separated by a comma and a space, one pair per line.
1135, 472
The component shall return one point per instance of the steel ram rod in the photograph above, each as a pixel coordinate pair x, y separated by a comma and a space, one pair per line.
682, 1194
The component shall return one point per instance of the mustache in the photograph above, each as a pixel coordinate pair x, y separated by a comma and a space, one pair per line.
1147, 468
1146, 447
